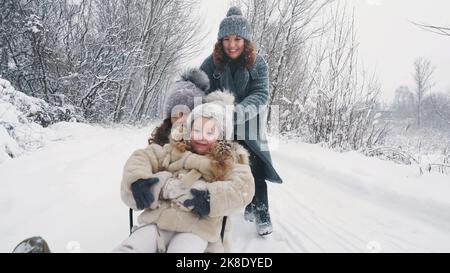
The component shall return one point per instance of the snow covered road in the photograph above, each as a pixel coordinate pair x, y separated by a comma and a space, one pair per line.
68, 192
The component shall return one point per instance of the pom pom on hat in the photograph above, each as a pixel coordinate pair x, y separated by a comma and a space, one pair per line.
234, 11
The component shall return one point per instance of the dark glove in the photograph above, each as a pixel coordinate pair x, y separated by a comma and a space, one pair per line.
141, 192
200, 202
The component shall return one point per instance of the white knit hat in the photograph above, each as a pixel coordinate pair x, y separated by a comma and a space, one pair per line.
220, 107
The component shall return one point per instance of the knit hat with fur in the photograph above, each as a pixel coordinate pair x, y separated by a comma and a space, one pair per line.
184, 94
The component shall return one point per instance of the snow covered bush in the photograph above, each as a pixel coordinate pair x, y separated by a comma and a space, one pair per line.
23, 121
428, 145
34, 109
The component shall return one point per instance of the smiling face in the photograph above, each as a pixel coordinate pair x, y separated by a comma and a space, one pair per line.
204, 135
233, 46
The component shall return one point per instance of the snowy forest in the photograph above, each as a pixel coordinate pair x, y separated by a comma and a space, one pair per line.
110, 62
101, 68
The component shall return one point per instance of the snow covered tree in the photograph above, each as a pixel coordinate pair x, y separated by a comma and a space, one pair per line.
167, 36
403, 104
110, 59
282, 31
341, 106
436, 111
423, 71
311, 50
21, 45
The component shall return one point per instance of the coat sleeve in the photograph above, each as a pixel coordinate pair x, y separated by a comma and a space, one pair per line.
208, 67
258, 94
142, 164
232, 194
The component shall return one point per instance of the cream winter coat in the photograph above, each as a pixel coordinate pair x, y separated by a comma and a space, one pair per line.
224, 172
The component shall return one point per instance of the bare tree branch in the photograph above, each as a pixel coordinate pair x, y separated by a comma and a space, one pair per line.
435, 29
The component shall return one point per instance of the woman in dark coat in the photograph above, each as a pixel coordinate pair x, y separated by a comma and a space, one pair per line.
235, 66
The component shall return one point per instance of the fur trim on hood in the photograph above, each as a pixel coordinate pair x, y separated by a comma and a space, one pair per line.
197, 77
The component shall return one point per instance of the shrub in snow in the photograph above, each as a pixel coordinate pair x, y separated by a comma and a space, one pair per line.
34, 109
23, 120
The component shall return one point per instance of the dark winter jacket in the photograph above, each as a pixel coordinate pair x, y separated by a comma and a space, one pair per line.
251, 89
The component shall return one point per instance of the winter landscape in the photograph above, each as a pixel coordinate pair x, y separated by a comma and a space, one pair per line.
364, 152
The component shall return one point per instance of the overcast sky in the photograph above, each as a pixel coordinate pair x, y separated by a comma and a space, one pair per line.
389, 42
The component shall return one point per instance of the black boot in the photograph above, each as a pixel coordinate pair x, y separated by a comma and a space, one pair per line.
258, 210
263, 222
32, 245
261, 208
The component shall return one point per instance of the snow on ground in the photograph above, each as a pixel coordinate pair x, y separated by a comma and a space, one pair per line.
427, 145
68, 192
